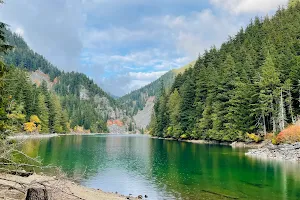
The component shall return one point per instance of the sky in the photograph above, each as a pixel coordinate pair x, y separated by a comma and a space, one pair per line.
125, 44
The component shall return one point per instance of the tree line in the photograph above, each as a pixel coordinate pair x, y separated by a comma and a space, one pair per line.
250, 85
30, 108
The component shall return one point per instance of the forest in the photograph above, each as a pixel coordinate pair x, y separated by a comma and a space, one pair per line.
248, 87
37, 108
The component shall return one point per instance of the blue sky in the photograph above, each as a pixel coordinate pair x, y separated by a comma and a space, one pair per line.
125, 44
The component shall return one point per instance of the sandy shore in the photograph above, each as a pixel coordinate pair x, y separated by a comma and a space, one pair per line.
37, 136
58, 189
26, 136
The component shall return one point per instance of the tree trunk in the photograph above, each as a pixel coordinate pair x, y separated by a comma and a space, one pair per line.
291, 107
37, 194
273, 118
264, 122
282, 115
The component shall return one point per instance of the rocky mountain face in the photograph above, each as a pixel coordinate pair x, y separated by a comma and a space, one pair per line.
37, 77
139, 103
143, 117
117, 127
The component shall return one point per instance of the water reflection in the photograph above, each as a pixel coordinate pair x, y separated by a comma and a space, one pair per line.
168, 169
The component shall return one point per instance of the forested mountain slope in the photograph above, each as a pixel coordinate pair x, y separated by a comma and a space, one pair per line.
79, 100
249, 85
137, 99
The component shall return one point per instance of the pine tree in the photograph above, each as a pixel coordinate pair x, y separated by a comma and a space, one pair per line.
65, 122
187, 107
55, 114
174, 114
293, 3
269, 82
43, 113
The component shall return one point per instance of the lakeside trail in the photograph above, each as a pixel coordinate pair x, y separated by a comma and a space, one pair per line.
15, 187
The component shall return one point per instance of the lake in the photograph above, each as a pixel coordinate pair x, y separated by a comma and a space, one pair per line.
161, 169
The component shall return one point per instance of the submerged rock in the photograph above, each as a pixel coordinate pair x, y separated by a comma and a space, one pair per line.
289, 152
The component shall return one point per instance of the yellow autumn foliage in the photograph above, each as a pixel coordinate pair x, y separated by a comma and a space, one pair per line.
30, 127
33, 125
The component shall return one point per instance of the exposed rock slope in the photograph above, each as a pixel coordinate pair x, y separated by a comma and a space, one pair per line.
143, 117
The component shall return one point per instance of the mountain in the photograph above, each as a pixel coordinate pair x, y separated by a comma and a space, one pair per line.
242, 91
139, 103
87, 105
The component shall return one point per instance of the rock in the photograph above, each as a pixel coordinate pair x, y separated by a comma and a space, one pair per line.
146, 196
140, 197
289, 152
37, 194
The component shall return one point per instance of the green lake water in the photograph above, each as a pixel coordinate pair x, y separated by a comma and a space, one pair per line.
168, 169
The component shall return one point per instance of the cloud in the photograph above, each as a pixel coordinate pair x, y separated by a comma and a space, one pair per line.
197, 31
19, 31
52, 28
249, 6
147, 76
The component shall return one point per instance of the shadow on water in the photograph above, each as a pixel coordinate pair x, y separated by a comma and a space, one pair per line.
167, 169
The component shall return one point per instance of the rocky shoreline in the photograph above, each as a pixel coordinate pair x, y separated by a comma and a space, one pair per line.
285, 152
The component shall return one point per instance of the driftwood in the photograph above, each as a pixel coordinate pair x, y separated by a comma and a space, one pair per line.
37, 194
21, 173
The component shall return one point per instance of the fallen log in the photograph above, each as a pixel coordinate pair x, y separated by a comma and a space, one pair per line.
21, 173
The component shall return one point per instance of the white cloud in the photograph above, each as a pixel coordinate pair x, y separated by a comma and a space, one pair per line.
114, 36
52, 28
195, 32
137, 84
150, 76
19, 31
249, 6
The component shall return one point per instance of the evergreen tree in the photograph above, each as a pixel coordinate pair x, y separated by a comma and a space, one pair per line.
174, 114
293, 3
269, 82
43, 113
55, 114
187, 92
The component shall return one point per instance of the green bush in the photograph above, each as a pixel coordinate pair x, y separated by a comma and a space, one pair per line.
184, 137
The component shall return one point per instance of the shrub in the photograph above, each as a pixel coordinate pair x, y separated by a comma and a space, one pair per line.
184, 136
253, 137
289, 135
274, 141
269, 136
